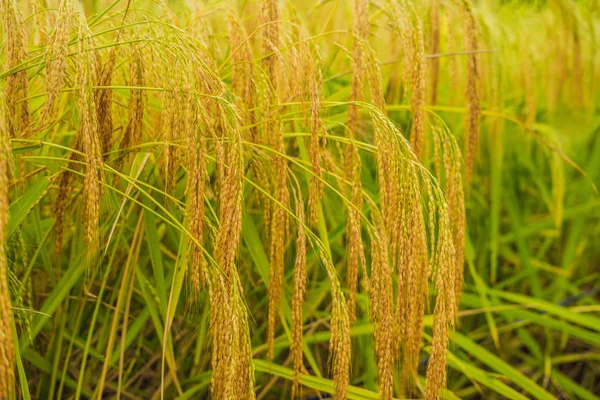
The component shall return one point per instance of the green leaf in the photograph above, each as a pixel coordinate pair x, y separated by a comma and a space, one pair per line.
54, 300
501, 366
585, 320
313, 382
24, 204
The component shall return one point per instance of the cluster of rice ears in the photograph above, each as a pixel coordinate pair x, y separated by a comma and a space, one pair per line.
208, 119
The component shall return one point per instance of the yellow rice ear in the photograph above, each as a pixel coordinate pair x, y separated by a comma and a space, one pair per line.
132, 135
339, 343
273, 133
298, 297
233, 374
103, 99
56, 60
382, 310
16, 86
88, 136
445, 309
353, 165
243, 74
434, 48
472, 89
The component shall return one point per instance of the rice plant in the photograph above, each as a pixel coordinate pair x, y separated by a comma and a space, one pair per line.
268, 199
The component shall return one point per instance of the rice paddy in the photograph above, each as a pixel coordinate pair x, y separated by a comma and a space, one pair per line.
268, 199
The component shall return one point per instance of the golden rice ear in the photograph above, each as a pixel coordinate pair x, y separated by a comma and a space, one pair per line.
181, 73
418, 87
434, 48
273, 132
360, 30
270, 16
436, 369
443, 268
233, 370
310, 82
60, 207
7, 355
408, 28
453, 44
404, 186
103, 98
353, 231
382, 310
448, 149
244, 367
339, 343
195, 191
132, 135
366, 61
88, 136
62, 198
41, 21
242, 77
56, 60
472, 88
233, 375
402, 26
298, 297
413, 274
277, 247
221, 316
16, 88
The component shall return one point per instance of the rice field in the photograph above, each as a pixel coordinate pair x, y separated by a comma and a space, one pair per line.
268, 199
